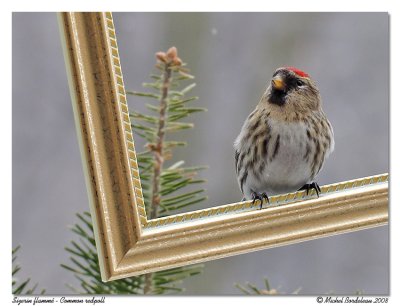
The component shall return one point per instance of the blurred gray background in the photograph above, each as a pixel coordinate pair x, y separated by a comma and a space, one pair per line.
232, 56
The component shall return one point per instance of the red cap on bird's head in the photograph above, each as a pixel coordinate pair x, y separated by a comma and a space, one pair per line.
299, 72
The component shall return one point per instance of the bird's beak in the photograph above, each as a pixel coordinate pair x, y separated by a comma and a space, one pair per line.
278, 83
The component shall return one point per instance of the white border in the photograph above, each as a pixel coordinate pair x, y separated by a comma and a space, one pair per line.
191, 5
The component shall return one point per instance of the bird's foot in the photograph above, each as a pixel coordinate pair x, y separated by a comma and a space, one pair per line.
308, 187
259, 196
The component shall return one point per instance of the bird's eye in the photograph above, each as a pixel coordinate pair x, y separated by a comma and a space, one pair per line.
299, 83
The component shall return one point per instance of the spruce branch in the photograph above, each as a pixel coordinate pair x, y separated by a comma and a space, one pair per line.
21, 287
159, 147
251, 289
167, 181
85, 265
158, 150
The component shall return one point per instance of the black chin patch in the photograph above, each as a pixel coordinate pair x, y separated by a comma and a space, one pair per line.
277, 97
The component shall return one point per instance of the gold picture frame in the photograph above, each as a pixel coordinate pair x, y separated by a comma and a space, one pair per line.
127, 242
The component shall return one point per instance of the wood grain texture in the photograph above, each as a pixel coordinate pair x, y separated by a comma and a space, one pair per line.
104, 134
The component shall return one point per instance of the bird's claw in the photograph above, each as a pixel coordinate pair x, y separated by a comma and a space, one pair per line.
261, 197
265, 196
308, 187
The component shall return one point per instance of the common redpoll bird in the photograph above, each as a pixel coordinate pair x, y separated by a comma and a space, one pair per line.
285, 141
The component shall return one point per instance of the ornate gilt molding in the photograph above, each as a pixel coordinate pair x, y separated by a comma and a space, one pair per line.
128, 244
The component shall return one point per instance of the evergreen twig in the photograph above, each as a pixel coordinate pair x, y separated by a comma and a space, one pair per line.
166, 181
21, 287
251, 289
